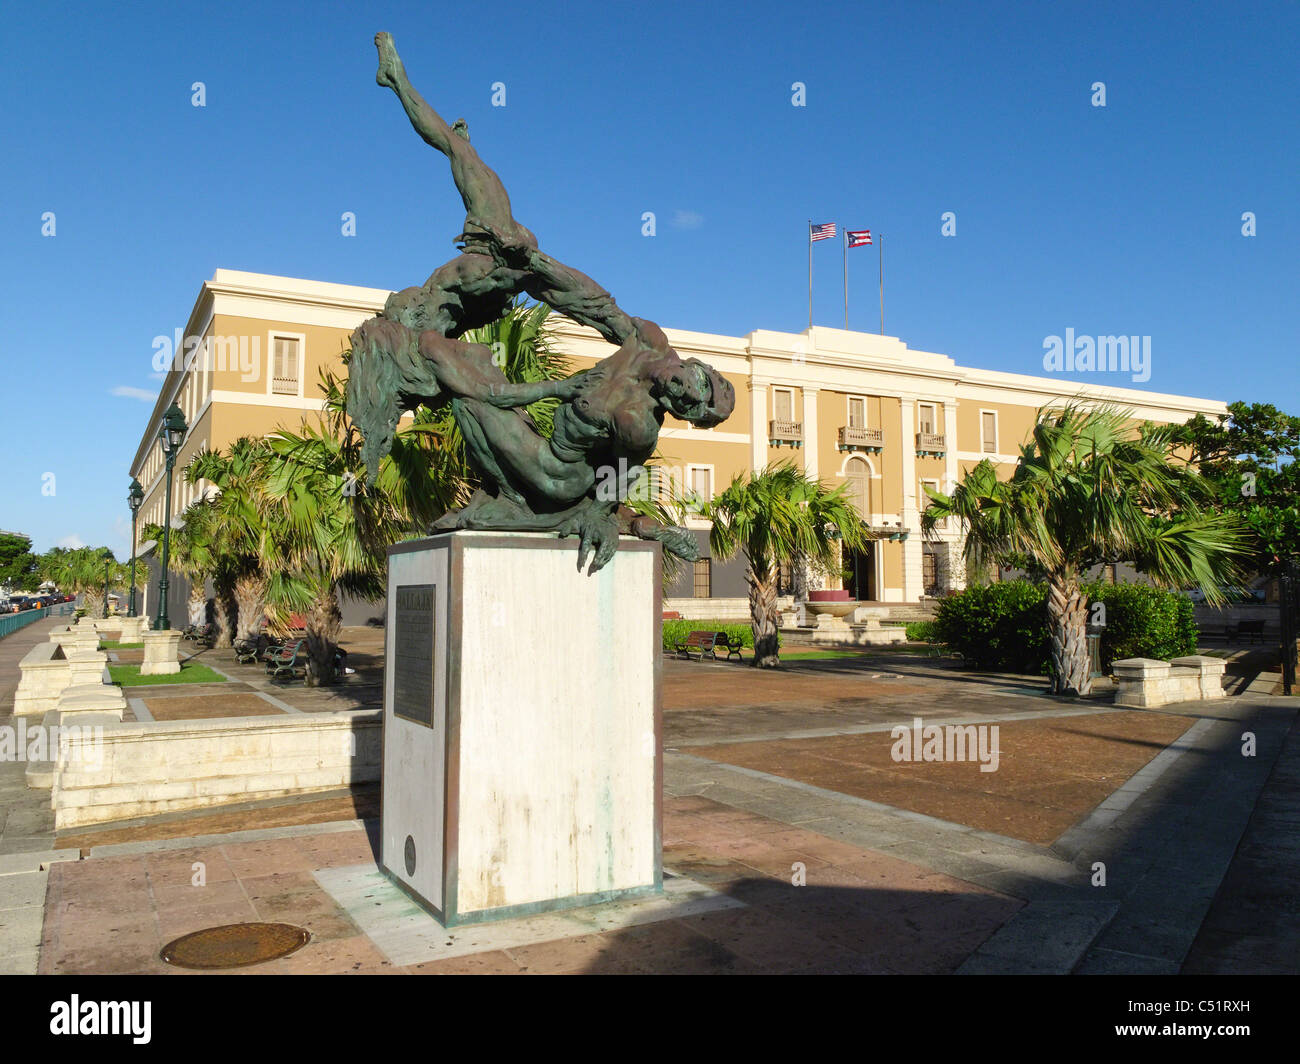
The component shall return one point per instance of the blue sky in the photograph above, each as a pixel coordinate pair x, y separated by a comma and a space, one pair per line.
1123, 219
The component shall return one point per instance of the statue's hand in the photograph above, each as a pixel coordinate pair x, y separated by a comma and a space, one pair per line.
572, 387
680, 542
598, 531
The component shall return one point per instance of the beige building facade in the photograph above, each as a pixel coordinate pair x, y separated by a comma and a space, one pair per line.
853, 409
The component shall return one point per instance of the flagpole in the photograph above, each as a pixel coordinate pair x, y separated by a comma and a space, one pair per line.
810, 273
881, 246
844, 254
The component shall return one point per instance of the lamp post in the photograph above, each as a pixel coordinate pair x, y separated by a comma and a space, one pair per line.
133, 500
171, 435
107, 564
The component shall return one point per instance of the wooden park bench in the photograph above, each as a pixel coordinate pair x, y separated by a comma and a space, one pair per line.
709, 643
247, 651
287, 662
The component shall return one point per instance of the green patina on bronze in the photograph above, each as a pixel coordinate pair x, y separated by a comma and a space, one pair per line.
609, 416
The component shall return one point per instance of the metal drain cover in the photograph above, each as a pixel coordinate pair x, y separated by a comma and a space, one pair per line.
234, 945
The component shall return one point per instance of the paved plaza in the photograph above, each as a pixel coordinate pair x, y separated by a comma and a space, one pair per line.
1107, 840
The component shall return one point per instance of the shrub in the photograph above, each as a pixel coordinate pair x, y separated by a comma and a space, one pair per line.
923, 632
1143, 622
677, 630
999, 626
1004, 626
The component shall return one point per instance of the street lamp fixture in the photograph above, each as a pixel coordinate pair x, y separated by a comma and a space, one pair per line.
134, 499
171, 435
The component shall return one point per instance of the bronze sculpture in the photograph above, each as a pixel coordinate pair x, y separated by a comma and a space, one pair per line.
609, 416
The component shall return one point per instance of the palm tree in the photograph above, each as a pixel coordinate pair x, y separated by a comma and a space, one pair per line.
1091, 487
772, 516
241, 537
191, 552
328, 532
80, 571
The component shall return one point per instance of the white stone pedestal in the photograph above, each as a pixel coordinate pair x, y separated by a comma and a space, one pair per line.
522, 760
160, 653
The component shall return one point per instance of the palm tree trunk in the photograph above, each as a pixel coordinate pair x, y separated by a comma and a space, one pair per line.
1067, 620
92, 598
324, 619
198, 601
763, 616
250, 600
226, 610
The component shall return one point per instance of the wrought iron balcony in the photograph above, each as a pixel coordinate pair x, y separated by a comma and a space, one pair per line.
779, 432
855, 439
935, 443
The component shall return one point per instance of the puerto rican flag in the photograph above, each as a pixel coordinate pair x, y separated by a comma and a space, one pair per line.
858, 237
825, 231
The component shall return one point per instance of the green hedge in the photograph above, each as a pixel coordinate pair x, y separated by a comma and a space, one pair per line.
677, 630
1003, 626
998, 626
1144, 622
923, 632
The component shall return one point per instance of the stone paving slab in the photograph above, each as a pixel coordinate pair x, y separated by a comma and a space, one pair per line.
743, 894
407, 934
1051, 771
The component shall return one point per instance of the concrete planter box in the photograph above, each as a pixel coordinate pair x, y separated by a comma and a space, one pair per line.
138, 770
1147, 682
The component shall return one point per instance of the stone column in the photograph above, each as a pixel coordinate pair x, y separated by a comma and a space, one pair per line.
810, 449
913, 571
757, 425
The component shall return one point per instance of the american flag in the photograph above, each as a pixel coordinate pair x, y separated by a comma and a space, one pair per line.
858, 237
825, 231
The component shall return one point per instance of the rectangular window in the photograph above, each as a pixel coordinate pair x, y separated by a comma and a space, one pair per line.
857, 413
925, 416
703, 577
284, 366
924, 500
989, 431
783, 404
701, 484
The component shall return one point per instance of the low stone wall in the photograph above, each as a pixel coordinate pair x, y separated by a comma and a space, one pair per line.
45, 674
131, 770
1147, 682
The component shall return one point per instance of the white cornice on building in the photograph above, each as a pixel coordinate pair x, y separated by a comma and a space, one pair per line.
817, 358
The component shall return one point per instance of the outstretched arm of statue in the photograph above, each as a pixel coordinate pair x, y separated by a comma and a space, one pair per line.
577, 296
509, 394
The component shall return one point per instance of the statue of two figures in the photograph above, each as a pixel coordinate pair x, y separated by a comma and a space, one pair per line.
607, 424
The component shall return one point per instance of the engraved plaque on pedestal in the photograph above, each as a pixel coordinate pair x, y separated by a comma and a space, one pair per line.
413, 633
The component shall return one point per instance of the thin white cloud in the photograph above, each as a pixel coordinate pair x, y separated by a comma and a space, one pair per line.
686, 220
126, 391
71, 542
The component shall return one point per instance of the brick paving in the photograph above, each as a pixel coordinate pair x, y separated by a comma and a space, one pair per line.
772, 778
858, 911
1050, 772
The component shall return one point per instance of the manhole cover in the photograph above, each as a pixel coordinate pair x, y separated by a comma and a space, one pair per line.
234, 945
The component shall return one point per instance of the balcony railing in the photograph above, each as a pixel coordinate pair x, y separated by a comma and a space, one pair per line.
935, 443
851, 439
779, 432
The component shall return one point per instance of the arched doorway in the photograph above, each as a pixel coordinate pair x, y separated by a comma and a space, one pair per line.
860, 566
